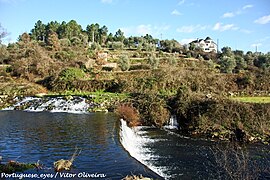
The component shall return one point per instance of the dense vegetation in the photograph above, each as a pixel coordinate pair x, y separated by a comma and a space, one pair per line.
161, 77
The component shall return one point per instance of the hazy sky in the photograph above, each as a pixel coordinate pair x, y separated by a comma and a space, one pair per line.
240, 24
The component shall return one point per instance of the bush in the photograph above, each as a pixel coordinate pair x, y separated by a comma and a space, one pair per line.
124, 62
227, 64
4, 54
65, 42
95, 46
129, 114
117, 45
62, 55
172, 60
70, 74
152, 109
153, 61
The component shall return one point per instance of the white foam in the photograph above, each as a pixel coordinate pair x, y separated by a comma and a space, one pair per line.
34, 104
134, 141
173, 124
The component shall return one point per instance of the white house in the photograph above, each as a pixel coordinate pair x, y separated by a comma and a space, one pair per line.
207, 45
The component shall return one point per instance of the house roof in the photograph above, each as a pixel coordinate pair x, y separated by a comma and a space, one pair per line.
208, 38
197, 41
200, 40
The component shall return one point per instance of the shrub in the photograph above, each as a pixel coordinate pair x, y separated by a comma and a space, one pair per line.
227, 64
75, 41
70, 74
124, 62
95, 46
4, 54
189, 55
153, 61
172, 60
62, 55
129, 114
65, 42
152, 109
117, 45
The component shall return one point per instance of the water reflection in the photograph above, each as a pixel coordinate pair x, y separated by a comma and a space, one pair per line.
49, 137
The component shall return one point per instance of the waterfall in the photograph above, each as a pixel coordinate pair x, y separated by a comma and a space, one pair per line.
52, 104
134, 141
172, 124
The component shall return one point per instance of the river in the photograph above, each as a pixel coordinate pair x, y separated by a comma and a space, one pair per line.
48, 137
109, 147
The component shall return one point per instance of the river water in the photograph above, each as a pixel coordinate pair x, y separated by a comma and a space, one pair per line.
48, 137
109, 147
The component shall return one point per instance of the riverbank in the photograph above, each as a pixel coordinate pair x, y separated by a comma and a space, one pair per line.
197, 115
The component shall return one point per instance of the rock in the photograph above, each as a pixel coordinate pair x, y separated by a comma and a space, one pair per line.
62, 164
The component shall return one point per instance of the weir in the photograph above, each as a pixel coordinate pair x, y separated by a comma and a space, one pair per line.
134, 141
52, 104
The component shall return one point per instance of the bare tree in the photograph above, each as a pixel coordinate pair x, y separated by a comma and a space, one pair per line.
3, 33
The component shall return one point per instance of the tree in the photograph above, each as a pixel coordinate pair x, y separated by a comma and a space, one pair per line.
3, 33
227, 64
52, 28
263, 61
119, 36
62, 30
93, 32
102, 33
109, 38
71, 29
239, 53
249, 58
227, 51
130, 42
170, 45
39, 31
240, 63
148, 38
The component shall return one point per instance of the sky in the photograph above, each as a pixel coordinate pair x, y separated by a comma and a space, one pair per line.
239, 24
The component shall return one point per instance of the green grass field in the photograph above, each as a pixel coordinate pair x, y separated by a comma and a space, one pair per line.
249, 99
